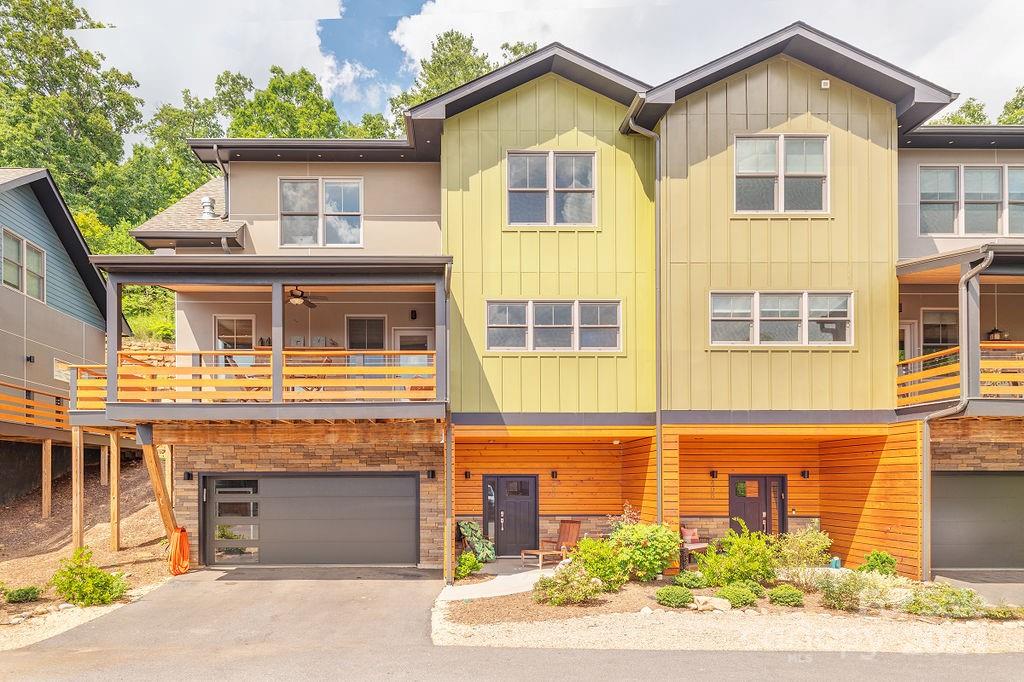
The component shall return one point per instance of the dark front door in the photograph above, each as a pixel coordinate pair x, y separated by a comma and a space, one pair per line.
760, 501
510, 513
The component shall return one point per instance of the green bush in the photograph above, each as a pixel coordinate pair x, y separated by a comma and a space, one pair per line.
673, 596
879, 562
807, 547
603, 561
693, 580
786, 595
22, 595
883, 591
841, 591
647, 549
481, 546
738, 556
737, 594
945, 601
1004, 612
570, 584
754, 587
467, 565
80, 582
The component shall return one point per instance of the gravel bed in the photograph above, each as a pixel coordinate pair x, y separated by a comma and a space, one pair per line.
738, 631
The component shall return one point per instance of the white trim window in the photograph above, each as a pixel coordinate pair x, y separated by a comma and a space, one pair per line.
24, 266
551, 188
559, 326
234, 333
957, 200
940, 329
321, 212
788, 318
793, 181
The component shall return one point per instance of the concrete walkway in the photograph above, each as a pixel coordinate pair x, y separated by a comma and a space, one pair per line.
499, 585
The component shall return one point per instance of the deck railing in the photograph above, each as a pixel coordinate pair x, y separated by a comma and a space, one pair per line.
33, 407
935, 377
245, 376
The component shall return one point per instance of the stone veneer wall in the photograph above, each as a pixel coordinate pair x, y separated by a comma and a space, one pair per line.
591, 525
353, 457
978, 445
714, 527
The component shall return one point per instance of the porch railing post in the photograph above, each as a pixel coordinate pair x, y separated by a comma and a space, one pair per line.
113, 334
277, 342
970, 336
441, 339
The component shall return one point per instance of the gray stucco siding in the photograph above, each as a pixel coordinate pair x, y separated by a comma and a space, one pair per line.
21, 213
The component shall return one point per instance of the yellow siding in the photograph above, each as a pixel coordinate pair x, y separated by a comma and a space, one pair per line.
708, 247
492, 261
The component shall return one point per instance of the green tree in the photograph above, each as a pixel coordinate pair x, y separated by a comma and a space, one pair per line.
292, 105
370, 127
513, 51
59, 107
971, 112
1013, 110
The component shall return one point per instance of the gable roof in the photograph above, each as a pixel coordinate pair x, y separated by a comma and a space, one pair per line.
182, 222
59, 215
916, 99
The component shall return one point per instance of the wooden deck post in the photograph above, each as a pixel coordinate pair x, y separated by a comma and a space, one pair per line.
47, 476
115, 483
163, 502
168, 461
77, 488
104, 465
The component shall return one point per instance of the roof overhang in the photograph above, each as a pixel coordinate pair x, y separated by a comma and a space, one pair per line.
1007, 262
916, 99
160, 239
423, 146
964, 137
259, 267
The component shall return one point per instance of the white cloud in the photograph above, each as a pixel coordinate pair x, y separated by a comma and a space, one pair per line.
971, 48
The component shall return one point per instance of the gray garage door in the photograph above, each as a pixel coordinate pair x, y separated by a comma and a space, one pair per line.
977, 520
321, 519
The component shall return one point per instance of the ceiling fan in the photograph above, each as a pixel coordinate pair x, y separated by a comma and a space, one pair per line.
299, 297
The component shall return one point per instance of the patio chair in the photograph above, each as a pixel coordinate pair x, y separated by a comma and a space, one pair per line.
568, 536
231, 362
689, 543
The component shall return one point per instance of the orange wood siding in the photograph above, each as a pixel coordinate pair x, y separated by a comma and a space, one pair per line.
589, 475
640, 477
871, 496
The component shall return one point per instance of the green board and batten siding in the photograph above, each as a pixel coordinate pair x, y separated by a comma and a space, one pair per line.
21, 213
709, 247
613, 260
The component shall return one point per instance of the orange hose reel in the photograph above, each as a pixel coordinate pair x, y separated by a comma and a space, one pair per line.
179, 557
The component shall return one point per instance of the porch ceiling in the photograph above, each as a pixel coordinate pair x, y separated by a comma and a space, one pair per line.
1007, 265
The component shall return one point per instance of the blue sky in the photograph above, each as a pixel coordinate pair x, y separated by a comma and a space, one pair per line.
363, 51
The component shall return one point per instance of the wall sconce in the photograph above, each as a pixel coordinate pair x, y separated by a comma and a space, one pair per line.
554, 474
466, 474
187, 476
805, 473
431, 473
713, 473
30, 359
412, 314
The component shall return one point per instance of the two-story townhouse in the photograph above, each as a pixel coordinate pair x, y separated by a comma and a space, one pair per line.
52, 308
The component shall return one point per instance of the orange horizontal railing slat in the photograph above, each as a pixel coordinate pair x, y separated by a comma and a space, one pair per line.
45, 408
935, 376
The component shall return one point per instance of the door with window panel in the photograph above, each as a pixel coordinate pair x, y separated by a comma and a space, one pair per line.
232, 521
940, 330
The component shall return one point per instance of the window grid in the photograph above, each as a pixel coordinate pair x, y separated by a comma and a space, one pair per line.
13, 260
322, 214
780, 172
24, 266
755, 318
531, 326
551, 189
1009, 204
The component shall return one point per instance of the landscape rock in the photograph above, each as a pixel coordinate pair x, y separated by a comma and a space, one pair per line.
65, 606
646, 611
711, 603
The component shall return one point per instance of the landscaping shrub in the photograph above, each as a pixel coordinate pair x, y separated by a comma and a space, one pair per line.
570, 584
693, 580
883, 591
603, 561
467, 565
673, 596
737, 594
945, 601
807, 547
481, 546
80, 582
22, 595
841, 591
807, 578
738, 556
647, 549
879, 562
754, 587
786, 595
1004, 612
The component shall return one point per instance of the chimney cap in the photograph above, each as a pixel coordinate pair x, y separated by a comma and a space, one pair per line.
208, 204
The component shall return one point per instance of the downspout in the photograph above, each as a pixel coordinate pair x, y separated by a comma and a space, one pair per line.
632, 124
227, 196
926, 431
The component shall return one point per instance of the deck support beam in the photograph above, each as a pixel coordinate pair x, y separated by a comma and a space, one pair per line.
115, 486
104, 465
46, 486
77, 488
113, 334
156, 480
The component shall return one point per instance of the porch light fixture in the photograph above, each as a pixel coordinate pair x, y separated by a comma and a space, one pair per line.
554, 474
713, 473
412, 314
466, 474
431, 473
30, 359
997, 334
187, 476
805, 473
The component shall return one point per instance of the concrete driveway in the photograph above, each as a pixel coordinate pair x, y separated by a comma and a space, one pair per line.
332, 623
996, 586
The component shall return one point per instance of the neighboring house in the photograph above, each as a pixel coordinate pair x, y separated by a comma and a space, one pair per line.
52, 306
567, 290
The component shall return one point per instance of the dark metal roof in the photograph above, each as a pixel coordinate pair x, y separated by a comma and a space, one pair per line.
964, 137
1008, 259
425, 146
59, 215
916, 99
265, 265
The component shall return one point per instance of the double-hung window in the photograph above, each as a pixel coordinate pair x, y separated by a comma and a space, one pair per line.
983, 199
793, 181
941, 330
321, 212
939, 193
1015, 197
964, 200
554, 325
24, 266
551, 188
781, 318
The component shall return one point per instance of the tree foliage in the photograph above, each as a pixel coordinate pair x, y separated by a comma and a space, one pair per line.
292, 105
971, 112
1013, 110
